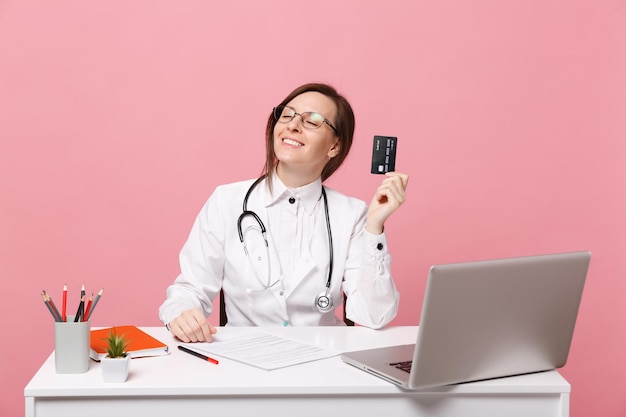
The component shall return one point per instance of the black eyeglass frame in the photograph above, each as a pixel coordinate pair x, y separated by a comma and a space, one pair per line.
295, 113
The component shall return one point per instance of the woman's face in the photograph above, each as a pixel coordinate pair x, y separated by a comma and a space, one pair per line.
306, 151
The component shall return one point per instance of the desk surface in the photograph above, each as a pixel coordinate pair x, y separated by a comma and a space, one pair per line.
180, 372
182, 375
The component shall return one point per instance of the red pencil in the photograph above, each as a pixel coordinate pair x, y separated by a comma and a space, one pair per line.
86, 315
64, 307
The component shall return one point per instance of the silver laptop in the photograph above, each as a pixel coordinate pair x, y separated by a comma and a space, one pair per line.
487, 319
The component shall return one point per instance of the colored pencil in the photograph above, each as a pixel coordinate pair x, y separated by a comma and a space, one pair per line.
79, 312
88, 308
95, 302
47, 303
64, 306
54, 308
82, 297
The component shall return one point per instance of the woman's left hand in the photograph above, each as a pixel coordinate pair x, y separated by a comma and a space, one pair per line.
389, 196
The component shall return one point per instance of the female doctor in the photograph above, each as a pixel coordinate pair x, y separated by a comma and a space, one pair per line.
283, 247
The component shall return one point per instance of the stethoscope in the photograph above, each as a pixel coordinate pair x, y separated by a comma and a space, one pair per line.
324, 301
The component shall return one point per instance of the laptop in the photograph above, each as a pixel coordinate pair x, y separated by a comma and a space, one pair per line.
487, 319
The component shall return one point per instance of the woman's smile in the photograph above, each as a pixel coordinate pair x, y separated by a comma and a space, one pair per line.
292, 142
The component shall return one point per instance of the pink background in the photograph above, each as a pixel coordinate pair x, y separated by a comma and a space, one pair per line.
117, 120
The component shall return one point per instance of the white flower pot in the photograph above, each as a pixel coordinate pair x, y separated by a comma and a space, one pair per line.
115, 369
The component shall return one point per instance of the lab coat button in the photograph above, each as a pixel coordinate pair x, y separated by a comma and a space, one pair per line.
379, 246
292, 200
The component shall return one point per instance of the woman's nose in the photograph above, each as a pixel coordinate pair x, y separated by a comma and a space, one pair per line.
295, 123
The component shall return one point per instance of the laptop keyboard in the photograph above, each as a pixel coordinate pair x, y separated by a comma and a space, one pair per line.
404, 366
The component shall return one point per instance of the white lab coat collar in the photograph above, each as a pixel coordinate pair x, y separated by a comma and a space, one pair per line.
308, 195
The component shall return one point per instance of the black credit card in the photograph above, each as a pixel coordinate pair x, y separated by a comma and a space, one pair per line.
384, 154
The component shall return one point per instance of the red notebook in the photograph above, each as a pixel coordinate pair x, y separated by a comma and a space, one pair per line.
140, 343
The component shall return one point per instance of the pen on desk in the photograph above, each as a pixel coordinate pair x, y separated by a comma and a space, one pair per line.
80, 309
47, 303
64, 307
199, 355
95, 302
88, 308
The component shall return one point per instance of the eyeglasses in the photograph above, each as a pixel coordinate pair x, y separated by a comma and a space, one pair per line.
310, 119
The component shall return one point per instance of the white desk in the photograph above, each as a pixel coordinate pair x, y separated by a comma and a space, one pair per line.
180, 384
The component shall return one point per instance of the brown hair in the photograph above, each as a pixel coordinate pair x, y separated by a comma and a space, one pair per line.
344, 125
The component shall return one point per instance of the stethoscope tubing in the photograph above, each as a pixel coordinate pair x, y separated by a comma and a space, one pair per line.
323, 301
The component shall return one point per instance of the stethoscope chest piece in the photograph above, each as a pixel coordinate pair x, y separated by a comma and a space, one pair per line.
324, 302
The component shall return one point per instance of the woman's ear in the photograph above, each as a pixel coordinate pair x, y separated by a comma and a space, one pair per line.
334, 150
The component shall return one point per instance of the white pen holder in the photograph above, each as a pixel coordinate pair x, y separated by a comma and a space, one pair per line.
71, 346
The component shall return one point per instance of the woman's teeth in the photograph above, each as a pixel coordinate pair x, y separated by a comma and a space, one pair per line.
292, 142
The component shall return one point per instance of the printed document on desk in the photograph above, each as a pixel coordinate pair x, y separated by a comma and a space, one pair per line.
263, 350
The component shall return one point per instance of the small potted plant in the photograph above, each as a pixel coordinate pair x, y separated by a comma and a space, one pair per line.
116, 363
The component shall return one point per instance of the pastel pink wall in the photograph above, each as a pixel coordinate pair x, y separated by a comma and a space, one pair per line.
117, 119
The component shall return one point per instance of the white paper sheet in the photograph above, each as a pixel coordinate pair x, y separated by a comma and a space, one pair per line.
263, 350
